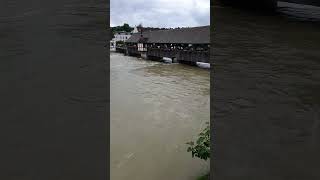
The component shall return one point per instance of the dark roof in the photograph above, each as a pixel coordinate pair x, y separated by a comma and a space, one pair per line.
135, 37
148, 29
194, 35
143, 40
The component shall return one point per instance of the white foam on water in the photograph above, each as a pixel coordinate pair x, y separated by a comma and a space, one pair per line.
203, 65
167, 60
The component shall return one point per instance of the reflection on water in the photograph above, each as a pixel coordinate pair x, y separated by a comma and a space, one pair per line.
155, 109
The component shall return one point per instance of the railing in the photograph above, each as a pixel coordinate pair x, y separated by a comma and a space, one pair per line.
193, 56
156, 52
180, 55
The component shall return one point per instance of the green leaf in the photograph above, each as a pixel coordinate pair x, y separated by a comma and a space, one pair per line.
202, 147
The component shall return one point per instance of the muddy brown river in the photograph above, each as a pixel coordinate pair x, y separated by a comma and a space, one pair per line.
155, 109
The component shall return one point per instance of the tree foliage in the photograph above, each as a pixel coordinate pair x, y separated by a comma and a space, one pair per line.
140, 25
201, 148
120, 43
125, 27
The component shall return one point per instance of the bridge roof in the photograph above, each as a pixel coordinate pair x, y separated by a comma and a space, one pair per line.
194, 35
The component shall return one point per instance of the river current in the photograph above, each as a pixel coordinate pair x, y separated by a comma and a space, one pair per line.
155, 109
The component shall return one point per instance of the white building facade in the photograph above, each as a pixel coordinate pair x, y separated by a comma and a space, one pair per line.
121, 36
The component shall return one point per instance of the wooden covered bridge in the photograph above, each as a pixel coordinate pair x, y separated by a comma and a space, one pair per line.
185, 45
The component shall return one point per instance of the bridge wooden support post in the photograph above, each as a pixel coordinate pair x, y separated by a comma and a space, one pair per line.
144, 55
174, 60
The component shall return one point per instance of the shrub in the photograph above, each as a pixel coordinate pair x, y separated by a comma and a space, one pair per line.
205, 177
201, 148
120, 43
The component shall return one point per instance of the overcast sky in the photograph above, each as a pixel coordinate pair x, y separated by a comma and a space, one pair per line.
160, 13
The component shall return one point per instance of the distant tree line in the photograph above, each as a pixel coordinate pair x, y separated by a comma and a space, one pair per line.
125, 27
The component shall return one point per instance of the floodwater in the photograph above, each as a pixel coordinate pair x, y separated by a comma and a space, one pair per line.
266, 95
155, 109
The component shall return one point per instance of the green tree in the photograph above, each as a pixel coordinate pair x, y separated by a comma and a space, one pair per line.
120, 43
140, 25
126, 27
